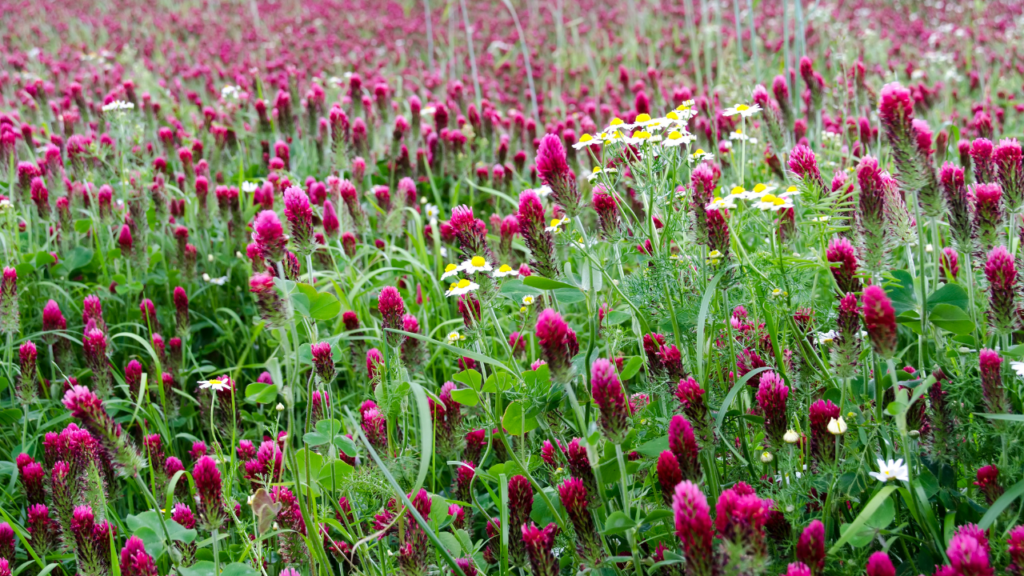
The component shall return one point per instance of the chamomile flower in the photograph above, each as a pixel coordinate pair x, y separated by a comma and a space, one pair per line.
743, 110
451, 270
428, 111
891, 470
118, 106
249, 187
216, 281
719, 203
713, 258
762, 189
615, 125
454, 337
432, 212
677, 138
827, 337
638, 137
461, 287
597, 171
778, 293
476, 264
543, 191
738, 135
699, 155
773, 203
230, 92
504, 270
586, 140
557, 224
215, 384
1018, 368
528, 300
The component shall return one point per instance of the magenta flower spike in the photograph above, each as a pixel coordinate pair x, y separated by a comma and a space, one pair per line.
540, 242
989, 215
879, 321
540, 548
10, 315
299, 214
553, 338
606, 389
323, 361
990, 365
810, 548
553, 169
575, 500
987, 481
683, 444
771, 397
26, 384
968, 556
879, 564
694, 528
1001, 274
210, 494
269, 235
841, 252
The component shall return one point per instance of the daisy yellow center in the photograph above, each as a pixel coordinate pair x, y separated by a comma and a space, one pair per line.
555, 222
739, 131
643, 118
742, 107
453, 286
642, 135
760, 188
616, 122
778, 201
737, 190
450, 268
770, 198
505, 268
478, 261
586, 138
699, 151
463, 283
791, 189
674, 135
672, 116
596, 169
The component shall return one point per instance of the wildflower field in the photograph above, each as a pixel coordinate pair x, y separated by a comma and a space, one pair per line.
516, 288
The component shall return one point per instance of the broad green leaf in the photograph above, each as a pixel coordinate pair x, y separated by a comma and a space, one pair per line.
631, 367
617, 523
451, 543
546, 283
82, 225
901, 291
498, 381
951, 294
515, 422
952, 319
261, 393
469, 377
324, 307
653, 448
466, 396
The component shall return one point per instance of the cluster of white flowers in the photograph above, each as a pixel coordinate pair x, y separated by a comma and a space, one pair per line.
118, 106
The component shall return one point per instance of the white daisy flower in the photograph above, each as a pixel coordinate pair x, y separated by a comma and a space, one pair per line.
826, 337
451, 270
217, 281
699, 155
504, 270
742, 110
543, 191
556, 225
677, 138
774, 203
249, 187
638, 137
1018, 367
476, 264
215, 385
527, 300
586, 140
891, 470
118, 106
718, 202
454, 337
432, 212
461, 287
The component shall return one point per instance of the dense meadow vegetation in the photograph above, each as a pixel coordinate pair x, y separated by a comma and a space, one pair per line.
637, 288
